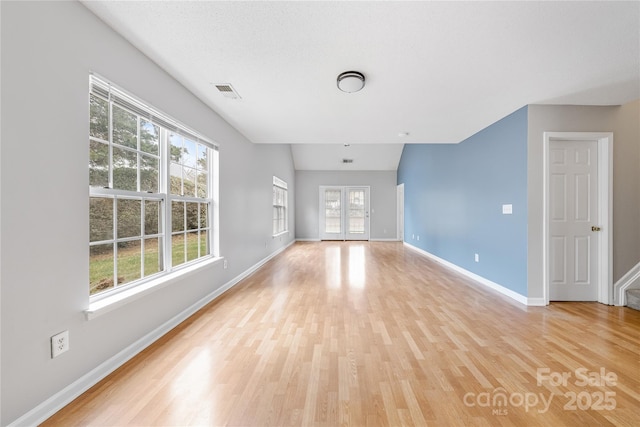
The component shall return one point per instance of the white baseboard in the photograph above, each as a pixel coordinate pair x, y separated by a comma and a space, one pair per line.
371, 240
486, 282
536, 302
631, 280
62, 398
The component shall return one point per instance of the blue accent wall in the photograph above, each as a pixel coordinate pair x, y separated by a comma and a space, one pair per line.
454, 195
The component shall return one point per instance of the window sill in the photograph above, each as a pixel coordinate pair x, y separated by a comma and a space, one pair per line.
280, 234
105, 305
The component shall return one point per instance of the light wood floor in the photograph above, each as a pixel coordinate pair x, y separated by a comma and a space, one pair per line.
374, 334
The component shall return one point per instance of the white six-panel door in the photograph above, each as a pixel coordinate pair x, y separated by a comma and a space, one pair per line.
573, 221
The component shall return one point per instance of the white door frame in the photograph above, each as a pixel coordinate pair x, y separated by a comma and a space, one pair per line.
605, 198
343, 206
400, 212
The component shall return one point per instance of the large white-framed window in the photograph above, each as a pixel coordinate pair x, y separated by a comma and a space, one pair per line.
151, 192
280, 220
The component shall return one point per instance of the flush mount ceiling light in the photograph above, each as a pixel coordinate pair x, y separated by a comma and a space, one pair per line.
350, 81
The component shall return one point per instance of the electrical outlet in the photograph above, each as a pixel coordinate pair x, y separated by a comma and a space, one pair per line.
477, 258
225, 264
418, 237
59, 344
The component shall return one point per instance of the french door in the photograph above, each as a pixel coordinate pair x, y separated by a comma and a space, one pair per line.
344, 213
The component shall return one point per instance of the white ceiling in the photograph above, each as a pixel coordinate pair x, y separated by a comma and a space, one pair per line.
440, 71
369, 157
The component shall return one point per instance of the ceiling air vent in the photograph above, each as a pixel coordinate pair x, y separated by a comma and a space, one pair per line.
227, 91
347, 160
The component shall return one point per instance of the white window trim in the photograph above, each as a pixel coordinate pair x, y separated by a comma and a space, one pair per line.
277, 182
113, 298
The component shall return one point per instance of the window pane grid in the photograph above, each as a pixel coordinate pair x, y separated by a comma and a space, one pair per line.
124, 240
140, 165
188, 167
279, 206
190, 226
133, 148
124, 219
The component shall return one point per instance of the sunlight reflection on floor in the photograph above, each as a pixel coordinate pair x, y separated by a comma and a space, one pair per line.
356, 267
333, 263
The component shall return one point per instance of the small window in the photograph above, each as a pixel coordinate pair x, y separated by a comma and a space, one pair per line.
280, 222
150, 188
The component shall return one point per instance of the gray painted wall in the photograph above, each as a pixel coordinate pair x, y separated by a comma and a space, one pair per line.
383, 200
48, 50
623, 121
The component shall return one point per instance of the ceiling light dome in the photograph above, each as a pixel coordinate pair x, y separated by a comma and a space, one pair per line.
350, 81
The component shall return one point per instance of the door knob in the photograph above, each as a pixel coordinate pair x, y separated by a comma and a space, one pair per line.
595, 228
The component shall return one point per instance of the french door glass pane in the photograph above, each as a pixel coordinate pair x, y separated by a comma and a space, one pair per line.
356, 211
332, 211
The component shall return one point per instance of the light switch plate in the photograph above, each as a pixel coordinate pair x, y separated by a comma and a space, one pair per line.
507, 209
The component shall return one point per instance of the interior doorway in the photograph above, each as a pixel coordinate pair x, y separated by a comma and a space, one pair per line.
577, 216
400, 212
